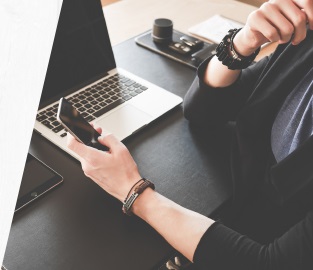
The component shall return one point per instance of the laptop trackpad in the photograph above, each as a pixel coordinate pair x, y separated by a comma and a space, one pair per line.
124, 121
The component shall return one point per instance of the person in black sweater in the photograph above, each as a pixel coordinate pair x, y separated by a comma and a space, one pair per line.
271, 103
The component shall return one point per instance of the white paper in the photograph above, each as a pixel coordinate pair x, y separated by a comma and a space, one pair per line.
215, 28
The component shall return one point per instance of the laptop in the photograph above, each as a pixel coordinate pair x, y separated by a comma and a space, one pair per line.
82, 69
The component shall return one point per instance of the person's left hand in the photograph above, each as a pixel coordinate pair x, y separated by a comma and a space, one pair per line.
115, 171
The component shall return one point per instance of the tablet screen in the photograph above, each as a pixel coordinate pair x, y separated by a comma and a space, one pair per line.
37, 179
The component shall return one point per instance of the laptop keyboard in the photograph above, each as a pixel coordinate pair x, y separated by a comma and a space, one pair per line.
94, 101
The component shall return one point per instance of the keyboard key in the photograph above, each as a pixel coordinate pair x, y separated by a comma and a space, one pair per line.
129, 83
96, 95
63, 134
124, 80
90, 111
109, 100
100, 99
102, 104
94, 90
87, 106
41, 118
114, 97
77, 105
143, 88
136, 85
133, 94
49, 113
96, 107
89, 118
55, 123
89, 98
94, 102
84, 102
82, 109
57, 129
84, 114
108, 108
138, 91
51, 119
47, 124
75, 100
127, 97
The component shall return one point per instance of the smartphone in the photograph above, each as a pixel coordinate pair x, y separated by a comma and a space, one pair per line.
75, 124
37, 179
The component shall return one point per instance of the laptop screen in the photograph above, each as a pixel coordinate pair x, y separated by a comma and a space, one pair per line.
81, 51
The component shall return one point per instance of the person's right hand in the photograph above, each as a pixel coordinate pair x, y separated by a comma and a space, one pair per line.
115, 170
275, 20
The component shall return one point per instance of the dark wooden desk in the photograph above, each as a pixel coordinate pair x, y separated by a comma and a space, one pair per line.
79, 226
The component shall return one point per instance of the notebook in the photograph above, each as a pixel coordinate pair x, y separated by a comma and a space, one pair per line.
82, 68
215, 28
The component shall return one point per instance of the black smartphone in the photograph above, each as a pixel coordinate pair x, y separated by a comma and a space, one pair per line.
75, 124
37, 179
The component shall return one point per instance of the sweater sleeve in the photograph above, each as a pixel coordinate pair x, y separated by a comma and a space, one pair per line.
222, 249
210, 107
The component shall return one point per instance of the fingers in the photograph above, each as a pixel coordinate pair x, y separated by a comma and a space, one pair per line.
307, 8
260, 24
281, 20
298, 19
111, 142
85, 152
98, 129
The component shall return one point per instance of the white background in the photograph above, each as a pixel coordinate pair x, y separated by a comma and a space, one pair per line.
27, 31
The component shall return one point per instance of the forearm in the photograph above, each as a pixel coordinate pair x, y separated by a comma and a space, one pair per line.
182, 228
217, 74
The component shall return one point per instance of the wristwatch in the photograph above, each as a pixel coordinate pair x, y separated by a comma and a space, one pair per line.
227, 54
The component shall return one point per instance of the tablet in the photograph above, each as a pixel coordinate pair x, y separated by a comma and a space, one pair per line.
37, 179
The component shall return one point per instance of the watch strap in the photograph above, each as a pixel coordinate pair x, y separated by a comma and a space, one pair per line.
229, 57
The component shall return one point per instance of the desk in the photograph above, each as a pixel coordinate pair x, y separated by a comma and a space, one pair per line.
79, 226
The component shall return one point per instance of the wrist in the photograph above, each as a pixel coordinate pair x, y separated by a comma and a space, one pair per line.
243, 46
144, 203
135, 192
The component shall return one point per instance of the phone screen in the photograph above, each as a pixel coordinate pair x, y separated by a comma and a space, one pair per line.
76, 124
71, 119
